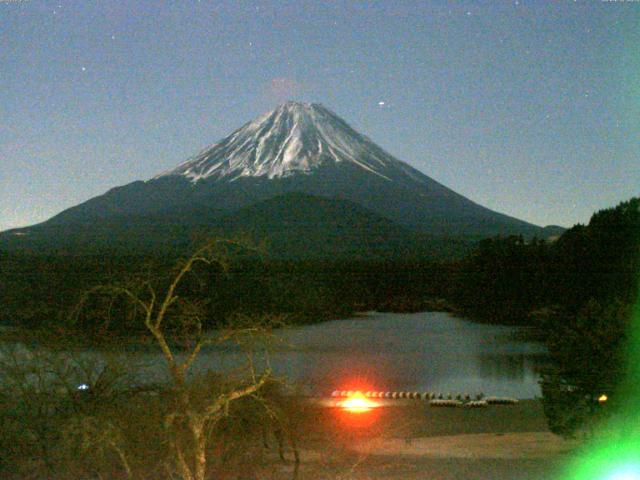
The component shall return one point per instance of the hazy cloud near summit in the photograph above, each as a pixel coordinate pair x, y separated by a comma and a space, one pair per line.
282, 89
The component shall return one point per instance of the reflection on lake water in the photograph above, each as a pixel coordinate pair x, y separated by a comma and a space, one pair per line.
428, 351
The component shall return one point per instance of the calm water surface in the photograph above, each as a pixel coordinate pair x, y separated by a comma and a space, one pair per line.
429, 351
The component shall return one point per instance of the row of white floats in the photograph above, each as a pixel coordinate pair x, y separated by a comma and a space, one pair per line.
435, 399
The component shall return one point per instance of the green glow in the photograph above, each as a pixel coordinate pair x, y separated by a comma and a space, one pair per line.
617, 460
615, 455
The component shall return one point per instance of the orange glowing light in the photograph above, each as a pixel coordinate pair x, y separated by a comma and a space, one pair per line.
357, 403
603, 398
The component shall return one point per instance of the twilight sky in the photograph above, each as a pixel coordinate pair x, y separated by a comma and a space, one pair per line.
528, 108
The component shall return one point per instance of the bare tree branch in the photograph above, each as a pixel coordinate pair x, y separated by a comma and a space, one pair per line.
189, 412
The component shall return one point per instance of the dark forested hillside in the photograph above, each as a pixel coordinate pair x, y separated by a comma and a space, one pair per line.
42, 291
503, 280
507, 278
293, 226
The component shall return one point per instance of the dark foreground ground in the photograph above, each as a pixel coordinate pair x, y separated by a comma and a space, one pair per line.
415, 441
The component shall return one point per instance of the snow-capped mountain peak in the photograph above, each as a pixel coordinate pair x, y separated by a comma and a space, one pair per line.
295, 138
298, 149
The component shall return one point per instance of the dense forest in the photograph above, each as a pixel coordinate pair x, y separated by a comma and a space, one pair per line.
504, 280
42, 291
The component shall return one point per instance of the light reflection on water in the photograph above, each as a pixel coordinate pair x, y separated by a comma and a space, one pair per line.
429, 351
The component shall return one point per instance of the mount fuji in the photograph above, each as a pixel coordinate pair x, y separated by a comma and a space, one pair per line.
293, 139
297, 158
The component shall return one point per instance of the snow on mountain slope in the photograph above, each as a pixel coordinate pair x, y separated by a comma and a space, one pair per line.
293, 138
298, 147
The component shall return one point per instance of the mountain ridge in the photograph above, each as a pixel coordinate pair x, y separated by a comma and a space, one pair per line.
295, 148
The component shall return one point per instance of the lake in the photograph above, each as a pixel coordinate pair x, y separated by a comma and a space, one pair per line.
428, 351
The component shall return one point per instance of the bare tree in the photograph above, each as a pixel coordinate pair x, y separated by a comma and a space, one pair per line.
175, 322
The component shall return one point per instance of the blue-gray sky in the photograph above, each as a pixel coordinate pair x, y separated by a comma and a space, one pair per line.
529, 108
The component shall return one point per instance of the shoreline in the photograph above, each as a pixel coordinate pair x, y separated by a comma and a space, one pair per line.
418, 442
